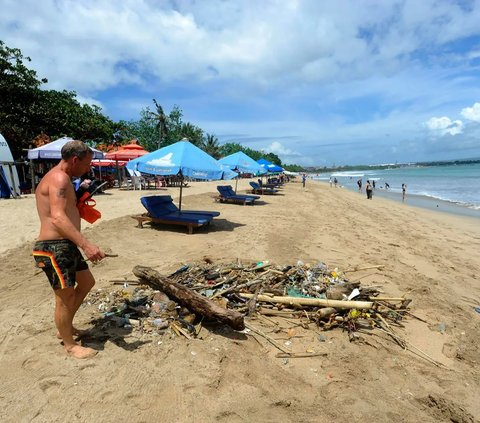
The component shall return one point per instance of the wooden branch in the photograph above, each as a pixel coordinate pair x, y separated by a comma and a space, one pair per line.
192, 300
268, 338
271, 312
386, 298
237, 287
301, 355
358, 269
313, 302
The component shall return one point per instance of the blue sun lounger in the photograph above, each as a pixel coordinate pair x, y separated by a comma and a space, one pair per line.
161, 209
269, 185
257, 189
227, 195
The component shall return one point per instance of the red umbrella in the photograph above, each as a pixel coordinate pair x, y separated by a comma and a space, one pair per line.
108, 163
127, 152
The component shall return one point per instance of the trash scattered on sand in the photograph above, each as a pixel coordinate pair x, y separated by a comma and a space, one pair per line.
314, 296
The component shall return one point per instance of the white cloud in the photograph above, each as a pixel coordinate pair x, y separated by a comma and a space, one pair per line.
94, 45
472, 113
444, 125
277, 148
315, 81
90, 101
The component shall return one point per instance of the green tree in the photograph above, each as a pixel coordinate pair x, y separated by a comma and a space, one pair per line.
193, 133
160, 123
273, 158
211, 146
174, 125
18, 91
26, 110
144, 130
231, 148
59, 113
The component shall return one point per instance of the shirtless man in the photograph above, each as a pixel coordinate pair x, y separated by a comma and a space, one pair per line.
56, 251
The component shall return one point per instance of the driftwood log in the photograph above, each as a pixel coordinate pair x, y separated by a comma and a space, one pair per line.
192, 300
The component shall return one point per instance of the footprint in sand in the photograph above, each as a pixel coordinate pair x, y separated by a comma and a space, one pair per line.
49, 385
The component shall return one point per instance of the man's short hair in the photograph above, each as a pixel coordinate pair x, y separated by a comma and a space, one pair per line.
75, 148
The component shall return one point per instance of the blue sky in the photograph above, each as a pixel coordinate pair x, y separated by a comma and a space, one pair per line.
316, 82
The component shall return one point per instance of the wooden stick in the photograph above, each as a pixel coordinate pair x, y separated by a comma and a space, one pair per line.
237, 287
301, 355
268, 338
358, 269
386, 298
313, 302
270, 312
178, 329
252, 302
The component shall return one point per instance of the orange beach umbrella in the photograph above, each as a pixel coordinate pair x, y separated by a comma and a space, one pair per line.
127, 152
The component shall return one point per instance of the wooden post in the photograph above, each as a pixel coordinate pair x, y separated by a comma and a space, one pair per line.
32, 175
192, 300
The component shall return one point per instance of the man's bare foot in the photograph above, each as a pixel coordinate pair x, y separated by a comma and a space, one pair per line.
77, 333
78, 351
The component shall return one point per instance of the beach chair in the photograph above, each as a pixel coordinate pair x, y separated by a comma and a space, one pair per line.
160, 209
138, 182
257, 189
167, 203
227, 195
268, 185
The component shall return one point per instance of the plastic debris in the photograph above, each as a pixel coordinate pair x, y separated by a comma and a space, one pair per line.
151, 312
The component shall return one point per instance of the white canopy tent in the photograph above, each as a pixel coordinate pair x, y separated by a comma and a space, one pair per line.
8, 171
53, 150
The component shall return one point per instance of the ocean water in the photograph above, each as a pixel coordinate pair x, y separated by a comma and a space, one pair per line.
456, 184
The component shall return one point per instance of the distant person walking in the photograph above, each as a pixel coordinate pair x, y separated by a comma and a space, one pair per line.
404, 191
331, 182
335, 182
373, 183
369, 190
304, 179
359, 183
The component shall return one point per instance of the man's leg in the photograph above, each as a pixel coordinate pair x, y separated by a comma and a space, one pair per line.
85, 282
64, 312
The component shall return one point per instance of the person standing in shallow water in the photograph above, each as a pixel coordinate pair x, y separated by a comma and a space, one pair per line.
359, 183
56, 251
369, 190
404, 192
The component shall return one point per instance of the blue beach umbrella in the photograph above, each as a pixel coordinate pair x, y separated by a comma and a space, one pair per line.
181, 159
240, 162
269, 166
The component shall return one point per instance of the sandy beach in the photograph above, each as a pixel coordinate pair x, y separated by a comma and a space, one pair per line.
226, 376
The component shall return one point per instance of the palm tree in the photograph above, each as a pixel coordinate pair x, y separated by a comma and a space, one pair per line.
160, 120
192, 133
211, 146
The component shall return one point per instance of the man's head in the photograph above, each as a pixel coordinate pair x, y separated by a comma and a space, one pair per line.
78, 155
75, 148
